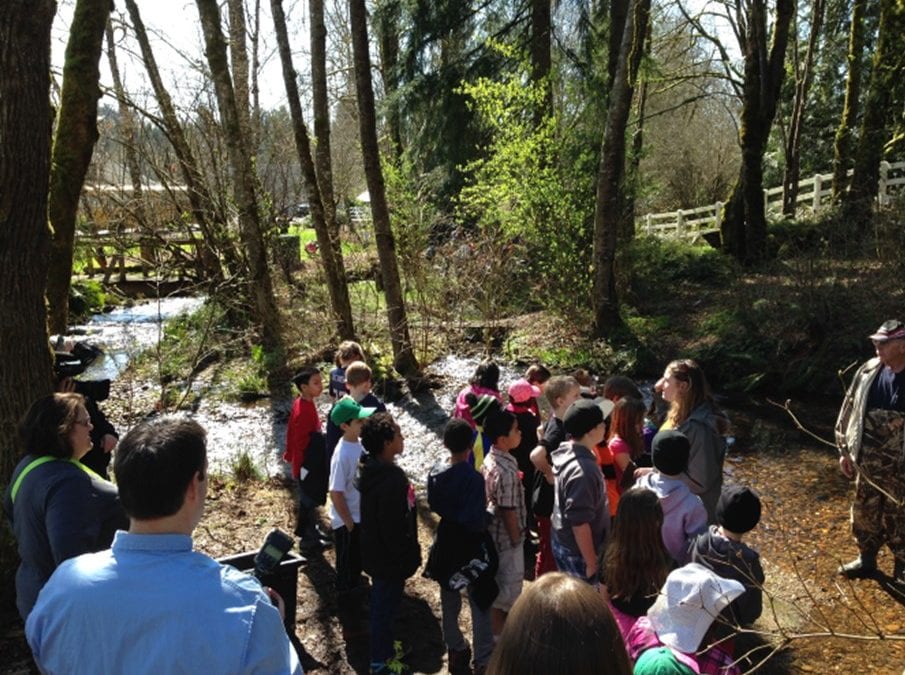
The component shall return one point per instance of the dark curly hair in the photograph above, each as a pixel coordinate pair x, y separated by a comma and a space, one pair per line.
378, 430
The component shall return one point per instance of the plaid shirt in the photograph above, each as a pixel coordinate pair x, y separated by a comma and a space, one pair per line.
713, 661
504, 491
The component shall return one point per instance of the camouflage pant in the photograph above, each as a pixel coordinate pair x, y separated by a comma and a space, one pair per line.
877, 518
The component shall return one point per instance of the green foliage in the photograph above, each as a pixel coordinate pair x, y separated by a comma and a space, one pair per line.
244, 469
520, 196
86, 297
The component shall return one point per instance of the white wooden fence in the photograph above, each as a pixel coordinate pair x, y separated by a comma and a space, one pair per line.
813, 194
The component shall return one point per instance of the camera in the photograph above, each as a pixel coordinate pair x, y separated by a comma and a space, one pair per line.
71, 364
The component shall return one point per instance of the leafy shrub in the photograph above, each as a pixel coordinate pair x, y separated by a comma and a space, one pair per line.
651, 263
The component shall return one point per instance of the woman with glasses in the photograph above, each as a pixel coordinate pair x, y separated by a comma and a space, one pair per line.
57, 507
693, 411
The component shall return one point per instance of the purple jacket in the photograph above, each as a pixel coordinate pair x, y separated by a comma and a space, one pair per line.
684, 515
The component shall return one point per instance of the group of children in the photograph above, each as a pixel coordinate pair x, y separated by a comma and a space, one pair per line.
592, 493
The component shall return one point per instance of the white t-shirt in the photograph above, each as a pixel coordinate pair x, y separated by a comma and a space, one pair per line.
343, 468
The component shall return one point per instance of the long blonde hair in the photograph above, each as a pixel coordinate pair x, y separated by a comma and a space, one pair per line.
697, 392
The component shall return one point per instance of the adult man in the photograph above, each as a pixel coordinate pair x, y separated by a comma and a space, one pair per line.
150, 604
871, 441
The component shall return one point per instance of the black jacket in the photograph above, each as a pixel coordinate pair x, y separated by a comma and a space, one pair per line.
389, 527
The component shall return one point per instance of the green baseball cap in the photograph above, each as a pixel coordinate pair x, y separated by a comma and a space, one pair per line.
346, 410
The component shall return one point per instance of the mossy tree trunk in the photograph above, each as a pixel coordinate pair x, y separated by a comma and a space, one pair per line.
609, 209
215, 244
803, 76
330, 255
744, 226
403, 354
842, 146
76, 134
238, 59
880, 107
25, 123
259, 283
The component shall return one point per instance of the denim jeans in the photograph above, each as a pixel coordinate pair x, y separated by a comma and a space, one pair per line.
386, 594
481, 634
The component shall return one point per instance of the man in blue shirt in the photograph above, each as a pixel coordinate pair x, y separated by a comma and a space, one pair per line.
151, 604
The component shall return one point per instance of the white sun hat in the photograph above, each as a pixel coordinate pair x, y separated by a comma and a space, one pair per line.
692, 597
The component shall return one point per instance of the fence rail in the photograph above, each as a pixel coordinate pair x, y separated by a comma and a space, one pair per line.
814, 194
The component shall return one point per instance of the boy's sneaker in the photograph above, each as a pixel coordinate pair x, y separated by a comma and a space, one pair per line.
862, 567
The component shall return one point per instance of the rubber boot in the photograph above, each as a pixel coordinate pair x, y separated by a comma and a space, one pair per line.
862, 567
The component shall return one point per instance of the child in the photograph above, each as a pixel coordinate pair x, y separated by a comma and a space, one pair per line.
684, 515
721, 549
305, 452
358, 385
345, 499
522, 394
455, 492
485, 381
676, 635
389, 531
587, 383
619, 387
479, 409
559, 625
636, 563
347, 352
506, 503
624, 446
561, 392
538, 375
580, 515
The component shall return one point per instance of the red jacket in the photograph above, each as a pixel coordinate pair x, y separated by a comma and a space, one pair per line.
303, 420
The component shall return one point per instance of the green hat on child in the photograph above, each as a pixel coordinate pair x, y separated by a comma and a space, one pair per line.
347, 409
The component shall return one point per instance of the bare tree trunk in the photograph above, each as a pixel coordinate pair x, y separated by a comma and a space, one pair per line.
842, 148
609, 207
260, 287
130, 139
332, 259
878, 106
540, 55
404, 356
321, 103
73, 146
803, 77
214, 244
239, 61
618, 12
744, 225
255, 71
387, 20
25, 124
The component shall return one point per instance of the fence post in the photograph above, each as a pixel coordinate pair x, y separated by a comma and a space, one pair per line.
815, 198
649, 224
766, 202
882, 194
680, 224
719, 216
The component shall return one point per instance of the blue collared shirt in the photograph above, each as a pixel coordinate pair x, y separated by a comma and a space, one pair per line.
152, 605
